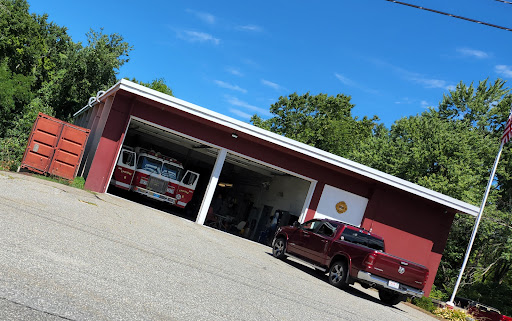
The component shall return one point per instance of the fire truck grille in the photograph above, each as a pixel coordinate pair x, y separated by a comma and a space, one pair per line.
157, 185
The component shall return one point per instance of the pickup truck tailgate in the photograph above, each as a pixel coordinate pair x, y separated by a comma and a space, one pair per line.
399, 270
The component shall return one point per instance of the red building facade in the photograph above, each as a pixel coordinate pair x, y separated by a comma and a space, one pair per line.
414, 221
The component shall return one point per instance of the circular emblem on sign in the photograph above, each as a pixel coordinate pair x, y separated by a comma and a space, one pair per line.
341, 207
401, 270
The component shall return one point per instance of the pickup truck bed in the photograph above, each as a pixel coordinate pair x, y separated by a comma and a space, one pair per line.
351, 254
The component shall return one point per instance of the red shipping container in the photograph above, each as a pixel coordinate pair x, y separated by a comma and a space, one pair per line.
55, 147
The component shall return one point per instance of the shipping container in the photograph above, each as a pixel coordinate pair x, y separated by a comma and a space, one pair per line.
55, 147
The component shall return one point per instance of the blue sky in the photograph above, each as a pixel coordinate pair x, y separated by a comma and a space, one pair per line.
238, 57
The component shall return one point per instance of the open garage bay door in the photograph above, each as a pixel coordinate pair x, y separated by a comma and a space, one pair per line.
250, 199
162, 169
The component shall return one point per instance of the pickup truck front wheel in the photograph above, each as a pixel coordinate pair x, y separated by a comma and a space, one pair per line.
338, 274
278, 248
390, 297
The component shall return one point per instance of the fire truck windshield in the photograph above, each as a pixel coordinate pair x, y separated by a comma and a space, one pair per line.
149, 164
171, 171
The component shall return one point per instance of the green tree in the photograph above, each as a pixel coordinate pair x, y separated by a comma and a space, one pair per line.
322, 121
451, 150
43, 70
157, 84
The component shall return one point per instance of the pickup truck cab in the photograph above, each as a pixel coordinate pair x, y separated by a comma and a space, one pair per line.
349, 254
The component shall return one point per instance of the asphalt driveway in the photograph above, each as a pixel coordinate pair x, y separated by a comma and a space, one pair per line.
68, 254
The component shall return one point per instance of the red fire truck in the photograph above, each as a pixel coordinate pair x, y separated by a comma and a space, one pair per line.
154, 175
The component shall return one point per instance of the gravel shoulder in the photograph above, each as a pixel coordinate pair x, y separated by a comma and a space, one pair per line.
68, 254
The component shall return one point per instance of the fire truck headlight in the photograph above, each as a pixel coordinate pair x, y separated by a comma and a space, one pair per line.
144, 181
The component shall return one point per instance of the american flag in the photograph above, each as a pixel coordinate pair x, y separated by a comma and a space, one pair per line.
508, 131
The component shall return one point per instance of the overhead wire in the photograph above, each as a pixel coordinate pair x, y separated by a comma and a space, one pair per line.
452, 15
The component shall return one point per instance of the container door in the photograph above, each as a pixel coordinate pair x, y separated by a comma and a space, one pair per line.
68, 152
41, 144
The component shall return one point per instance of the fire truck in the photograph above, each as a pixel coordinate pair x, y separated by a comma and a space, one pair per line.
154, 175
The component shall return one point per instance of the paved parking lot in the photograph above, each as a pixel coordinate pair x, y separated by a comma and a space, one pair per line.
68, 254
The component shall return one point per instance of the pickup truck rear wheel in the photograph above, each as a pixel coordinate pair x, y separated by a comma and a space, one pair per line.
338, 274
390, 297
279, 248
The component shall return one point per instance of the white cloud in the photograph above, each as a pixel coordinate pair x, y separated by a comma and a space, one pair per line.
431, 83
424, 104
270, 84
203, 16
226, 85
253, 28
234, 71
405, 101
504, 70
239, 103
240, 113
426, 81
196, 36
344, 80
473, 53
349, 82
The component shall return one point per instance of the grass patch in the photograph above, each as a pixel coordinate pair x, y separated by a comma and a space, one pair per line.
90, 203
78, 182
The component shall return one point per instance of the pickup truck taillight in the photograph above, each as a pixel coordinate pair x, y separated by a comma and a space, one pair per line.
369, 260
426, 278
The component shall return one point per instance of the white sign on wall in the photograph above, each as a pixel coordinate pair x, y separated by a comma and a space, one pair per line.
341, 205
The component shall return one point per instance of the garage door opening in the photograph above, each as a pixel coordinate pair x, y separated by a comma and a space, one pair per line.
161, 169
252, 199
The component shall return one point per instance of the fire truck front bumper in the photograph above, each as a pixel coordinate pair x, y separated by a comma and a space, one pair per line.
154, 195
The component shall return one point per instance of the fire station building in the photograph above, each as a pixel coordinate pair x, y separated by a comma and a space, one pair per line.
249, 174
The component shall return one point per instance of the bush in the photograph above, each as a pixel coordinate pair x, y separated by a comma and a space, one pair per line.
452, 314
424, 303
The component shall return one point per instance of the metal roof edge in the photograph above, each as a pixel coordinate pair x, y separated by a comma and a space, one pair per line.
296, 146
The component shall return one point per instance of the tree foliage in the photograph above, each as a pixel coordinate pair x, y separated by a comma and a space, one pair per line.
43, 70
322, 121
157, 84
451, 149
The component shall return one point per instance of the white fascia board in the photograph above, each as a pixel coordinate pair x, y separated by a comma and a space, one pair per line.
242, 127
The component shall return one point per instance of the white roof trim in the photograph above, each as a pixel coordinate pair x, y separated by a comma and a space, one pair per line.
296, 146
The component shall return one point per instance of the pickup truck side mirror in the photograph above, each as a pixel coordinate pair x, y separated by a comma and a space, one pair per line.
296, 224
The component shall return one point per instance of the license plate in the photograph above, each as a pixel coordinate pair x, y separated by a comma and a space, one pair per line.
393, 284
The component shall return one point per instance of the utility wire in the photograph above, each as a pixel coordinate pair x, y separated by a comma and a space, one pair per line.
455, 16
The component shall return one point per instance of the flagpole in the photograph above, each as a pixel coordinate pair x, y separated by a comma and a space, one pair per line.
504, 139
478, 218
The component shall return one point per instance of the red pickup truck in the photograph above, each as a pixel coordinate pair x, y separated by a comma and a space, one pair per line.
350, 254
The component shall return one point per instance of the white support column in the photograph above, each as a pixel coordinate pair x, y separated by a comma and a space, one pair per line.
214, 179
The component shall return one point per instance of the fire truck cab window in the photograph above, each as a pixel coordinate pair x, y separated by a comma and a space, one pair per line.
149, 164
190, 178
171, 171
128, 158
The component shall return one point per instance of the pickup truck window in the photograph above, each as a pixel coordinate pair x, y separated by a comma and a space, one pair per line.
357, 237
311, 225
327, 229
